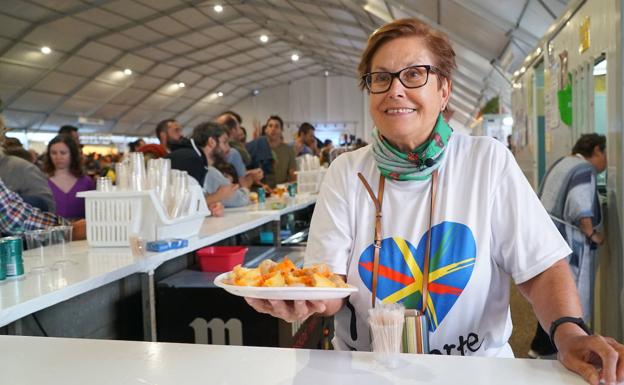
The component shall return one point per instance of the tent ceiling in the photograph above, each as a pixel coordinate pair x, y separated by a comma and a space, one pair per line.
166, 42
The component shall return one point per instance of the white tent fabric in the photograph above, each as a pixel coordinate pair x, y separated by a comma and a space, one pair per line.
165, 42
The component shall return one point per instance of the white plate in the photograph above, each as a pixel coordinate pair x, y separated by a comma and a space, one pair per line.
286, 293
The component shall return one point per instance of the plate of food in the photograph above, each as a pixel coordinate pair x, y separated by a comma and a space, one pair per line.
284, 281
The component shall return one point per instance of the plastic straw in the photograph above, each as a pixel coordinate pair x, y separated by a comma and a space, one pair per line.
386, 323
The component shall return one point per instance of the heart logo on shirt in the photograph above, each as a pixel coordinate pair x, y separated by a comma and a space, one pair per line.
451, 261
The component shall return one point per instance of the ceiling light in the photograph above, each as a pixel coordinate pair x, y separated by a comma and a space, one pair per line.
219, 93
46, 50
508, 121
255, 92
264, 38
516, 73
218, 8
522, 70
294, 57
539, 50
326, 73
127, 71
181, 85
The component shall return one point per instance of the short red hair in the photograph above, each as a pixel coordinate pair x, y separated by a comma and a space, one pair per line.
437, 42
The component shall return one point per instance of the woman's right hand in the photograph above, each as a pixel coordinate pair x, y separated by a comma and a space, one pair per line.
299, 310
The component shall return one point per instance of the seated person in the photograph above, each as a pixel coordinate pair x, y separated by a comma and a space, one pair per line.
305, 142
17, 216
232, 121
191, 159
169, 133
25, 179
63, 164
283, 155
215, 183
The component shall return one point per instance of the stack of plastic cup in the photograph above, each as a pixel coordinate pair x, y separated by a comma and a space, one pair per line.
104, 183
137, 171
179, 196
121, 176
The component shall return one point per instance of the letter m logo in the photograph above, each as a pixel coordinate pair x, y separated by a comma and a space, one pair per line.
217, 332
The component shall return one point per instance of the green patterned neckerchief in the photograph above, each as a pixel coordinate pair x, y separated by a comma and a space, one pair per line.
417, 164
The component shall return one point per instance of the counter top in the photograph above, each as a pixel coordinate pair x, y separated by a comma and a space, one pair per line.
291, 204
57, 273
39, 360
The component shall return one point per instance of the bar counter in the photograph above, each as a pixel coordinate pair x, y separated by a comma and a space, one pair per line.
37, 360
77, 268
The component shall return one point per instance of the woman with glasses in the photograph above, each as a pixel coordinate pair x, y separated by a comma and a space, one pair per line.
439, 221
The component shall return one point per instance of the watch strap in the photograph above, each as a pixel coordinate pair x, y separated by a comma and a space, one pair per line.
559, 321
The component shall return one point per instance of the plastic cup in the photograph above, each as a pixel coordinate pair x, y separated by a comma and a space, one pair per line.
386, 343
103, 183
137, 245
121, 176
37, 240
62, 235
386, 325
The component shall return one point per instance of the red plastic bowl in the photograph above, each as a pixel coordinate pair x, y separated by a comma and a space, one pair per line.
220, 258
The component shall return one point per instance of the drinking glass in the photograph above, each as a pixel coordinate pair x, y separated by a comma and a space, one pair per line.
62, 235
37, 240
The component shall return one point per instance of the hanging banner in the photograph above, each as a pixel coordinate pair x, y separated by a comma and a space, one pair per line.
584, 35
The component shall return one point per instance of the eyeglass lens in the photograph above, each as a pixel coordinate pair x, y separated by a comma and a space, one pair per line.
410, 77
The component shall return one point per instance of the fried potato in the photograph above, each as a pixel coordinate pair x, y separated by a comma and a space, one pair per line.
320, 281
276, 279
285, 273
266, 266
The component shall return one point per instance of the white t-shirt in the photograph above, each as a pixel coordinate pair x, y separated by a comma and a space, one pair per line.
488, 225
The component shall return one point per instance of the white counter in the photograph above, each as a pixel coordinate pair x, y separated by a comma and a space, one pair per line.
37, 360
78, 268
291, 204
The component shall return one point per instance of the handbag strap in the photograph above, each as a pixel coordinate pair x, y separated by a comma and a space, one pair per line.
425, 278
378, 201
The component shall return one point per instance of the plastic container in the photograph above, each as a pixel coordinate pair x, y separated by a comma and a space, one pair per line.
220, 258
113, 216
309, 182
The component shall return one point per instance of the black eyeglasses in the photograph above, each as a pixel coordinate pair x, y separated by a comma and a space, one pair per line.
411, 77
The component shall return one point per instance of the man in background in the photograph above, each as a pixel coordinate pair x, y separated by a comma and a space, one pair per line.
169, 134
305, 142
232, 121
71, 131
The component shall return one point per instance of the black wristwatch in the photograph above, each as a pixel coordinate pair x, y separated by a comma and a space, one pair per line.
575, 320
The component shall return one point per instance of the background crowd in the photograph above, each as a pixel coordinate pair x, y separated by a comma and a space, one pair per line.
219, 155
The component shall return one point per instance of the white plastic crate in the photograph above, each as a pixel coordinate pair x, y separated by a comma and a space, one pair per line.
112, 216
309, 182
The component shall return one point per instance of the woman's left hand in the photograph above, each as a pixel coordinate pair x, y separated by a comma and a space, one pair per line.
595, 358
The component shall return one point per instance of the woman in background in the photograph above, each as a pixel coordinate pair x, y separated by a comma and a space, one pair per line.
62, 163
